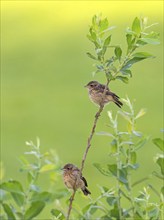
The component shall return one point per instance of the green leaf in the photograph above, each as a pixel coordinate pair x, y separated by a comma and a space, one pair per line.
113, 169
111, 200
137, 133
123, 175
91, 56
118, 52
125, 71
94, 20
20, 215
43, 196
30, 177
143, 55
8, 211
102, 170
47, 167
133, 157
107, 41
160, 162
141, 143
12, 186
126, 116
92, 34
123, 79
129, 40
159, 143
115, 212
19, 199
136, 26
137, 58
105, 133
140, 113
104, 24
58, 214
149, 41
153, 211
34, 210
162, 190
16, 190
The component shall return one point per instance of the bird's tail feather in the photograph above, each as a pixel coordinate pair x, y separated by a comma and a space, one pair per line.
117, 101
86, 191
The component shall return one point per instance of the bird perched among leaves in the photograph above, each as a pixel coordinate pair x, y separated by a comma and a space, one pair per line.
99, 97
73, 178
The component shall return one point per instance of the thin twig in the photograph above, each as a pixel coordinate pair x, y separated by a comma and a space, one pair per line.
88, 147
70, 204
90, 137
94, 127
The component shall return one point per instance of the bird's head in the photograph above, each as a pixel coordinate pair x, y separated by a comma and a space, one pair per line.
92, 84
68, 167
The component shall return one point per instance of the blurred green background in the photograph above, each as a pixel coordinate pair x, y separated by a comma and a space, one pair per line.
45, 68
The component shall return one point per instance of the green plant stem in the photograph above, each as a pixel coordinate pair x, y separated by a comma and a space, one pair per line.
118, 184
129, 161
118, 170
35, 176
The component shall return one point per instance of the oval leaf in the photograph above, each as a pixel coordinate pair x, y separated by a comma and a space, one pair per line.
136, 26
159, 143
143, 55
102, 169
91, 56
47, 167
34, 210
12, 186
43, 196
123, 79
107, 41
8, 211
150, 41
58, 214
160, 162
118, 52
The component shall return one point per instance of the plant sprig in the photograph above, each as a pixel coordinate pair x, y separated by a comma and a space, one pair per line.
118, 65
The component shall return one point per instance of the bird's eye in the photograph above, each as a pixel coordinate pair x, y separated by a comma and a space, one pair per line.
91, 85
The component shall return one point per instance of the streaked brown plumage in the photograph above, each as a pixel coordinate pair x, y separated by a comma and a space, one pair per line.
73, 178
96, 94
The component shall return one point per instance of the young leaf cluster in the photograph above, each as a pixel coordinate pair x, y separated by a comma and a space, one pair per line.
20, 202
118, 64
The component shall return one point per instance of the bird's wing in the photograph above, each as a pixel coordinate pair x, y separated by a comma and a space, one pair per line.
84, 180
100, 88
112, 94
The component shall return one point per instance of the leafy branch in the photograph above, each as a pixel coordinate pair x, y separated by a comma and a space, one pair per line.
27, 203
115, 67
118, 66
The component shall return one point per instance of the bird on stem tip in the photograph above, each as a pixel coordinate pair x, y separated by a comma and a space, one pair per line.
99, 97
73, 178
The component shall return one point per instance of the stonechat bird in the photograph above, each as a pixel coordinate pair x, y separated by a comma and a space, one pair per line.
73, 178
99, 97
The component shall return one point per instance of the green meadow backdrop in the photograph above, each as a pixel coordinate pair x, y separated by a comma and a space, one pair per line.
44, 70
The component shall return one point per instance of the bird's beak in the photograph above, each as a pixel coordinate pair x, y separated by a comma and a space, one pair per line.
86, 86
